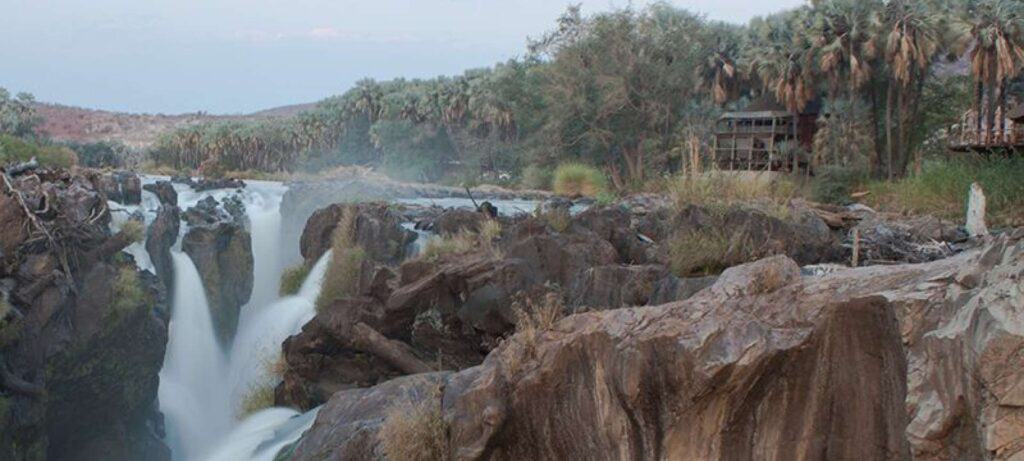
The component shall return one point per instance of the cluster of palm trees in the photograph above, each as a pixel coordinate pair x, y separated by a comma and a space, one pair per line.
615, 89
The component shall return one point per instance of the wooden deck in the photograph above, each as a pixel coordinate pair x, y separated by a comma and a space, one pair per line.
972, 135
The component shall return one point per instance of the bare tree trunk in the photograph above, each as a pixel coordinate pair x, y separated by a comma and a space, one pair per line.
888, 127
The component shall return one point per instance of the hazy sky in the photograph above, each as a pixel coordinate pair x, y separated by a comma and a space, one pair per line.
232, 56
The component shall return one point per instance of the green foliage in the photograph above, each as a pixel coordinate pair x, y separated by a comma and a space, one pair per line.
128, 292
292, 279
17, 117
536, 177
942, 186
102, 154
134, 231
578, 180
345, 267
834, 184
13, 150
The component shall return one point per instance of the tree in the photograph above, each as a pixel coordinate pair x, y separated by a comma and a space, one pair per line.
781, 56
997, 54
912, 40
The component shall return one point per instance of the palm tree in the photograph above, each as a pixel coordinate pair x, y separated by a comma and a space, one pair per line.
912, 39
781, 56
997, 54
718, 73
845, 31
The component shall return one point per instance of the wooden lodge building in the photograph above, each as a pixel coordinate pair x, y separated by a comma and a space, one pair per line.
974, 135
763, 137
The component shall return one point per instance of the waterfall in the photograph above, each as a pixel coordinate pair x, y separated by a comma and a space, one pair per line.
202, 387
192, 393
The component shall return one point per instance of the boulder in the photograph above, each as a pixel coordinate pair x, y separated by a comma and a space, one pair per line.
558, 257
207, 184
672, 288
615, 286
886, 362
164, 191
121, 186
378, 230
220, 246
455, 220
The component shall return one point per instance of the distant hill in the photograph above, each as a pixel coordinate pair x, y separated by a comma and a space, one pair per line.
77, 124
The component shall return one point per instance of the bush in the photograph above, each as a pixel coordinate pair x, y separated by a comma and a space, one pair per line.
708, 252
942, 186
415, 431
14, 150
292, 279
834, 184
577, 179
536, 177
134, 231
557, 218
128, 293
345, 267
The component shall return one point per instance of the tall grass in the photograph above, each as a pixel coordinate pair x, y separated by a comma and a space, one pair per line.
941, 189
415, 431
292, 278
579, 180
721, 188
344, 269
706, 252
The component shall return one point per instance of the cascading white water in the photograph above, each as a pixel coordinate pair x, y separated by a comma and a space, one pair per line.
202, 387
192, 395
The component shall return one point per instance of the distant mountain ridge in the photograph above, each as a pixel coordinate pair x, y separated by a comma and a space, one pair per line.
78, 124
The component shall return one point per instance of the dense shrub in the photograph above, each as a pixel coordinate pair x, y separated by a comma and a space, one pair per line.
14, 150
578, 180
128, 292
834, 184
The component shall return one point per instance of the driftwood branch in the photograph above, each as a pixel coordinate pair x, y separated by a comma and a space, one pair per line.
395, 353
37, 224
23, 167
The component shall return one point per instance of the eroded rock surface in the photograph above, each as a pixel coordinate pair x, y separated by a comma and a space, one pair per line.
219, 244
378, 231
885, 362
81, 343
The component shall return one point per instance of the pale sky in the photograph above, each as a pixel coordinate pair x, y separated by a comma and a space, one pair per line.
238, 56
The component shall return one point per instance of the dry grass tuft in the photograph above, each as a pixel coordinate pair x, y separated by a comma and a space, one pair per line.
533, 319
577, 179
415, 431
345, 268
258, 398
706, 252
463, 242
128, 292
133, 230
557, 219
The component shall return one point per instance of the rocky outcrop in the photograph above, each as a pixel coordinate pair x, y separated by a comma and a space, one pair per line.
160, 237
81, 343
378, 231
164, 191
120, 186
206, 184
220, 246
884, 362
615, 286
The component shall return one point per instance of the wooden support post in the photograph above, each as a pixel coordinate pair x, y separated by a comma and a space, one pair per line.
771, 145
856, 249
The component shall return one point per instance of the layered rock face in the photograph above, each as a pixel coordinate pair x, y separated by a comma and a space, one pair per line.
122, 187
219, 244
884, 362
81, 342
